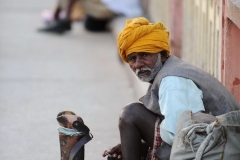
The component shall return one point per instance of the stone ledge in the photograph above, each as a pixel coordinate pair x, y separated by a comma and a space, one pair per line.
233, 11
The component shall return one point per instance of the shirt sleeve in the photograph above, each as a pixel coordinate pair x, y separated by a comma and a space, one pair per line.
176, 95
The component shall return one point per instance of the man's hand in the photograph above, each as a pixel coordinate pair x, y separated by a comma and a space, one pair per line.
114, 153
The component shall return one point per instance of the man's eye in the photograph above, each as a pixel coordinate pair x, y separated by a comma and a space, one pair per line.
131, 58
144, 54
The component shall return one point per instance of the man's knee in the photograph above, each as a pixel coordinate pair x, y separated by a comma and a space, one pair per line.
130, 113
130, 109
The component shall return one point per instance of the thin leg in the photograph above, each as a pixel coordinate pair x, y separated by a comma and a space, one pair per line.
136, 123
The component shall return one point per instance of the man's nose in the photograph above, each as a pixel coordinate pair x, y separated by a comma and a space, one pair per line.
139, 63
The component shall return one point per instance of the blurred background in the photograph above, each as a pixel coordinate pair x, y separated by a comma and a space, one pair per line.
44, 71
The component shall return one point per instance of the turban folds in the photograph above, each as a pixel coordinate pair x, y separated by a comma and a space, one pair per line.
139, 35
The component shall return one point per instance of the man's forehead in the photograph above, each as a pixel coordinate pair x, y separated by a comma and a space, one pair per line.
135, 53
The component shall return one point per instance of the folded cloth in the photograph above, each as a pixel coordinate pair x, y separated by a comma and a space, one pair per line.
73, 134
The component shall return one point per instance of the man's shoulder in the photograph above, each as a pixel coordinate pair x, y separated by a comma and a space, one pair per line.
174, 78
175, 83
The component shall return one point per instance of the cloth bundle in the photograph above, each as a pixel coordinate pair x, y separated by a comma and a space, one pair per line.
205, 137
73, 134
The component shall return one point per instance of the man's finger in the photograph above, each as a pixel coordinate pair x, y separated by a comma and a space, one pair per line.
119, 157
105, 153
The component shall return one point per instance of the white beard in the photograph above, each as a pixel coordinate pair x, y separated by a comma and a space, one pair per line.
154, 71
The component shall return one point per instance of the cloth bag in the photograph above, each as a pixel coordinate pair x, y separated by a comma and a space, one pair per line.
205, 137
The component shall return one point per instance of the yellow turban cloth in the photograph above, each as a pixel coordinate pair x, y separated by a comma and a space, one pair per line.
139, 35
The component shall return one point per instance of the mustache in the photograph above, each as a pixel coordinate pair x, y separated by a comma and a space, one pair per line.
142, 69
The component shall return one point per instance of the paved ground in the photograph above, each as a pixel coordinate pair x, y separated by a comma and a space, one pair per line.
43, 74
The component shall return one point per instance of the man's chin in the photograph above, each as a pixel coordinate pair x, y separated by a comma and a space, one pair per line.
144, 79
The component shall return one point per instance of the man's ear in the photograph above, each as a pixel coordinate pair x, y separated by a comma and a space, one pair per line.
163, 56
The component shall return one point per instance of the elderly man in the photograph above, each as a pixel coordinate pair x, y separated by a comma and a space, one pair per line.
175, 87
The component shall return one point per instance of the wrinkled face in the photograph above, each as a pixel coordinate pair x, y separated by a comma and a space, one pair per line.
145, 65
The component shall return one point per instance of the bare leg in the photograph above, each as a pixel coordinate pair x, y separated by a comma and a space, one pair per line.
69, 9
60, 26
136, 123
56, 12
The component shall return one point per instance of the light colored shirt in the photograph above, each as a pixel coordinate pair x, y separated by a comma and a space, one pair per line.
176, 95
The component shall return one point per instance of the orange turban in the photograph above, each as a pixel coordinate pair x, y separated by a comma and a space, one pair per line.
139, 35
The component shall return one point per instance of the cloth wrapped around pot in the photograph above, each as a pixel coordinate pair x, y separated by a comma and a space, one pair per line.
73, 134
